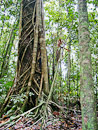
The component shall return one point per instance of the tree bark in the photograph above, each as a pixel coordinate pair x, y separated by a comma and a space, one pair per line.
89, 119
32, 72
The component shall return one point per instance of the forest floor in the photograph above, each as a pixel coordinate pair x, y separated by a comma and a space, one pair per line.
57, 121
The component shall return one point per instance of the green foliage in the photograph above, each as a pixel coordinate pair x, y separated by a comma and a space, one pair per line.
5, 84
9, 19
61, 22
19, 99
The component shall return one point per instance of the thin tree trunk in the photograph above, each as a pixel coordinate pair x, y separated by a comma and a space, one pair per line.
3, 66
53, 66
69, 64
69, 67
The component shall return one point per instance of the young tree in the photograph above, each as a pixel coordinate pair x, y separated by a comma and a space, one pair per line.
32, 73
89, 119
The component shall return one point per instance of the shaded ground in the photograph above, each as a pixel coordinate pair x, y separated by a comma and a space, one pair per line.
57, 121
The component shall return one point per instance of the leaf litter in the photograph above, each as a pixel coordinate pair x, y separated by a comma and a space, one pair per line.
58, 121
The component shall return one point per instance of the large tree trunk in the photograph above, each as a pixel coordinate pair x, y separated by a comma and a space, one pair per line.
32, 73
89, 120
